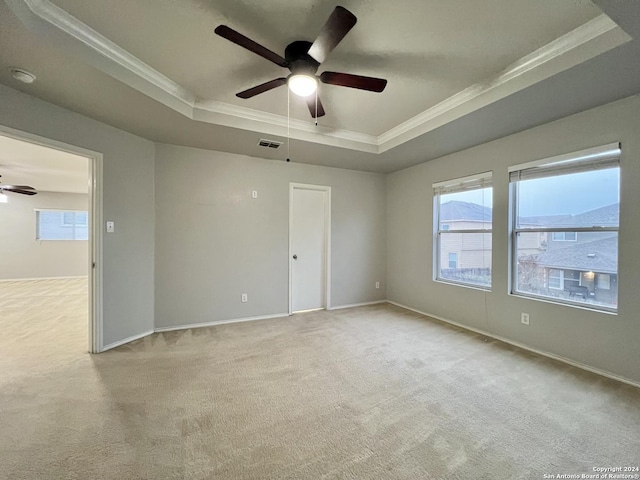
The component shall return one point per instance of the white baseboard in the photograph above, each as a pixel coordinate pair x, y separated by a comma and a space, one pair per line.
41, 278
363, 304
559, 358
125, 340
219, 322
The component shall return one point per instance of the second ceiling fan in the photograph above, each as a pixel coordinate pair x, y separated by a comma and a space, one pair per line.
303, 58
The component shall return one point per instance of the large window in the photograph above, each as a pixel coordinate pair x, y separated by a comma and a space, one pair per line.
462, 227
565, 228
62, 225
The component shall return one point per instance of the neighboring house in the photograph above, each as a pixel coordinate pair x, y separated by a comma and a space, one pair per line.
578, 265
530, 243
567, 264
465, 250
473, 250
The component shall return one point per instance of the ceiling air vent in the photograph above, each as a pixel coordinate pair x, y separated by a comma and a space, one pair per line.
269, 143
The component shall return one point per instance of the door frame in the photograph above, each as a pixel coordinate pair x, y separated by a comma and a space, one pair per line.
327, 240
94, 274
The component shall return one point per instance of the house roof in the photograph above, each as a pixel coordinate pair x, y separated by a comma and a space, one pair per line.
607, 216
596, 256
455, 210
542, 220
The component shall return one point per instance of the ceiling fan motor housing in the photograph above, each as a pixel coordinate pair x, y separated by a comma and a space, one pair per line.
298, 59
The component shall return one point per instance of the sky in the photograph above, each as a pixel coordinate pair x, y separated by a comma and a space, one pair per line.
560, 195
569, 194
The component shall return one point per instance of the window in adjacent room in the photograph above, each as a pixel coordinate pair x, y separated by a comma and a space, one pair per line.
62, 225
462, 228
565, 228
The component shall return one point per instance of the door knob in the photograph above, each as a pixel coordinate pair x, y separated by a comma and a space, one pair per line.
295, 257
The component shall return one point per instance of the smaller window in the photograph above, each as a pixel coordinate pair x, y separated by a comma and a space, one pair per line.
603, 281
571, 279
462, 230
555, 279
62, 225
564, 236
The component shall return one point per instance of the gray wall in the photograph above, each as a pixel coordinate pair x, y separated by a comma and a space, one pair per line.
214, 242
128, 200
603, 341
25, 257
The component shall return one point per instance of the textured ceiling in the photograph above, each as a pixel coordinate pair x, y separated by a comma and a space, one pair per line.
45, 169
430, 51
427, 49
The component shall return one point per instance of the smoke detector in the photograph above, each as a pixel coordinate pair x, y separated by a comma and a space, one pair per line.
22, 75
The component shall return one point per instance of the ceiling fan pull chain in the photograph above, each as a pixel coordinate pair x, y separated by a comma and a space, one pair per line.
288, 122
316, 116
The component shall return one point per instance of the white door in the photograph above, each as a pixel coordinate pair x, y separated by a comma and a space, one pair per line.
309, 228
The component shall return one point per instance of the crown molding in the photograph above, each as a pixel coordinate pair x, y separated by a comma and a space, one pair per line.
56, 25
581, 44
63, 29
247, 118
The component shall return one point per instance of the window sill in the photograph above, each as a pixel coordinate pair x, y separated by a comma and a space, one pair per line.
581, 306
465, 285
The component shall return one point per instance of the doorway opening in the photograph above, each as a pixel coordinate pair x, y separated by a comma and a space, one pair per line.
309, 247
50, 289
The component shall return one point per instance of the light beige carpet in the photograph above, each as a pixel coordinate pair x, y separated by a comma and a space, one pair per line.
366, 393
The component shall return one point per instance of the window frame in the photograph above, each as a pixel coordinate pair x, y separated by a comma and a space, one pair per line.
72, 226
579, 159
472, 182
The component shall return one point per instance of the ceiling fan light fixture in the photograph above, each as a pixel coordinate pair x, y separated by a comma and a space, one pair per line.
3, 197
302, 85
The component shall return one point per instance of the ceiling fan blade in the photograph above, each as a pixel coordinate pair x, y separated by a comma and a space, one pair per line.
19, 187
311, 103
15, 189
353, 81
252, 92
245, 42
338, 25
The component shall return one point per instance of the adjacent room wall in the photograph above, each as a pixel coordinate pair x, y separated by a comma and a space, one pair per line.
25, 257
214, 242
128, 160
604, 341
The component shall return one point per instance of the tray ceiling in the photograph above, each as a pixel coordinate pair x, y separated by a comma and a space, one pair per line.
155, 67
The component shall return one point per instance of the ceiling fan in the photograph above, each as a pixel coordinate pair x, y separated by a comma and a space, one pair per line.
22, 189
303, 58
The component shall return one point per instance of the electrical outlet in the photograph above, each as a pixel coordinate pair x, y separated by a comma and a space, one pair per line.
524, 318
377, 284
245, 298
254, 194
